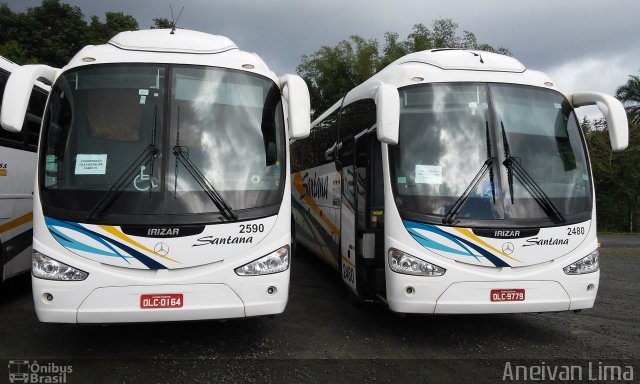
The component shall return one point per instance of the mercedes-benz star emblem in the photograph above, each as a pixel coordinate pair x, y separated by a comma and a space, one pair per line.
508, 248
161, 249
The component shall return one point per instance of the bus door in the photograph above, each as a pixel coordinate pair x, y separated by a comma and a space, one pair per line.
348, 208
361, 225
369, 233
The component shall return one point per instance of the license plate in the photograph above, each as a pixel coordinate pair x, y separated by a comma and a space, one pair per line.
507, 295
165, 300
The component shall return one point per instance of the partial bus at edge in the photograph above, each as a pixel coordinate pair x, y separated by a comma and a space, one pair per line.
17, 175
454, 181
162, 189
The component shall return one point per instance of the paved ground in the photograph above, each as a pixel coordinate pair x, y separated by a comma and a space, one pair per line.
322, 337
626, 241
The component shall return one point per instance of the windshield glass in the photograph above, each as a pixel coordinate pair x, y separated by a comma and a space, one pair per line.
449, 131
115, 130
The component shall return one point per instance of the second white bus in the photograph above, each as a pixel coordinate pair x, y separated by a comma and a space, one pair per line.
455, 181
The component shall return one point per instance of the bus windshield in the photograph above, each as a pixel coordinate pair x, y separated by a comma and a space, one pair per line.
134, 142
489, 154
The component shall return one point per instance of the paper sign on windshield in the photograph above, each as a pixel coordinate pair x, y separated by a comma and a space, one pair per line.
428, 174
91, 164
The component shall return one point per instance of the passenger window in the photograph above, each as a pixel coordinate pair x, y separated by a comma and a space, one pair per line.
6, 137
325, 140
33, 119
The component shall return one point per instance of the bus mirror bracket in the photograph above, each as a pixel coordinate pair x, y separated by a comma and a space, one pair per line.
296, 93
388, 113
613, 112
18, 90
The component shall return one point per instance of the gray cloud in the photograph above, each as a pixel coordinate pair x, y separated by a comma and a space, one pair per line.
543, 34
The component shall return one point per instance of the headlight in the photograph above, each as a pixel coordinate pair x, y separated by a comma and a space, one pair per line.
44, 267
276, 261
587, 264
404, 263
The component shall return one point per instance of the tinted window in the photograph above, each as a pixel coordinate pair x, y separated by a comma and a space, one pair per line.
167, 134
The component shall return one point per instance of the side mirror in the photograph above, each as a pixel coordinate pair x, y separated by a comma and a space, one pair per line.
613, 112
296, 94
17, 93
388, 113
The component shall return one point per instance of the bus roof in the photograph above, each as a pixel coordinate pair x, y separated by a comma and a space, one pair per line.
445, 65
180, 46
451, 65
178, 41
460, 59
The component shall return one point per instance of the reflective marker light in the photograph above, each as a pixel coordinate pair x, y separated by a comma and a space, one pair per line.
44, 267
587, 264
404, 263
276, 261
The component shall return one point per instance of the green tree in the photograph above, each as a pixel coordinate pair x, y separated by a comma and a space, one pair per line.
420, 39
331, 72
52, 32
9, 22
13, 51
616, 177
393, 49
162, 23
115, 22
616, 174
629, 94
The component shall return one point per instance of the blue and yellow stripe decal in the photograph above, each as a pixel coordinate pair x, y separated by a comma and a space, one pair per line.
112, 247
436, 239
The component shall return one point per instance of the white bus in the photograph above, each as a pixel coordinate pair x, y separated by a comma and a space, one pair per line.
162, 188
454, 181
17, 174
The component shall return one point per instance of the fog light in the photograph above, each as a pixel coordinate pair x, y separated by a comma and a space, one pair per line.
590, 287
410, 290
587, 264
44, 267
48, 297
271, 290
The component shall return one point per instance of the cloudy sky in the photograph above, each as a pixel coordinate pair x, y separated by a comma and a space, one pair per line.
582, 44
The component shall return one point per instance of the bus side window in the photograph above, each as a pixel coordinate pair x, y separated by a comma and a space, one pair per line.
4, 77
33, 119
12, 139
357, 118
295, 155
306, 154
325, 140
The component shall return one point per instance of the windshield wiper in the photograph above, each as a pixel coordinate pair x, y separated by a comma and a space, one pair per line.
514, 168
148, 155
489, 156
486, 167
183, 157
